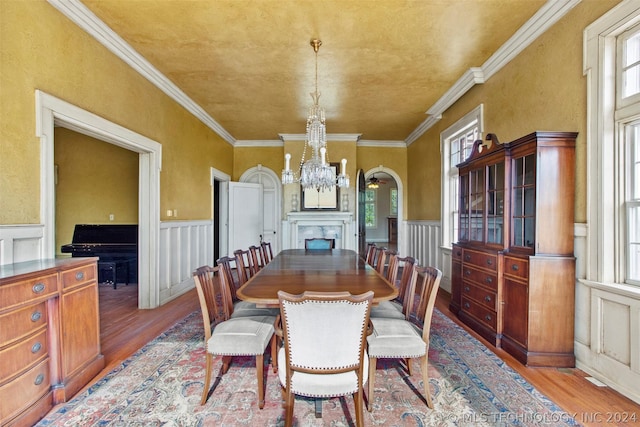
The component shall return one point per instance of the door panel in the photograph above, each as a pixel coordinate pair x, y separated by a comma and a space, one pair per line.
245, 215
362, 232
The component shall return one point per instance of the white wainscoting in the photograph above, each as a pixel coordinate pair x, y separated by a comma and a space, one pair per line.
607, 332
184, 246
424, 244
21, 243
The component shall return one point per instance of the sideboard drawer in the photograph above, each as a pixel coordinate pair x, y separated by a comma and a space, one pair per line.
20, 323
480, 259
28, 290
78, 276
481, 295
518, 267
20, 393
490, 280
23, 355
483, 314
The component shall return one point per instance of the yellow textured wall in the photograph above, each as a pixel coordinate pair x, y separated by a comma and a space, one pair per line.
42, 49
543, 88
91, 170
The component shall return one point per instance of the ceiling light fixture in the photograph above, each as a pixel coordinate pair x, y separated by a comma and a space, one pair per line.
315, 172
373, 182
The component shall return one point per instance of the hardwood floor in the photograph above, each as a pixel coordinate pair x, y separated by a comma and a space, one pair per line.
125, 329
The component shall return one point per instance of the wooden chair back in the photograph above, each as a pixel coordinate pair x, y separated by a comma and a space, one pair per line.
228, 283
371, 251
406, 284
380, 259
391, 273
244, 265
427, 287
208, 289
267, 252
256, 257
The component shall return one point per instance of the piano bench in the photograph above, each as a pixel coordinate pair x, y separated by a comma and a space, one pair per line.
107, 271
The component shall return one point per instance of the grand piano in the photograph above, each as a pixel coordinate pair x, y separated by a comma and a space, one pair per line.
116, 246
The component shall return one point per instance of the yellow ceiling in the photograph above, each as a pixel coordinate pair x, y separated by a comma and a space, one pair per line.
249, 64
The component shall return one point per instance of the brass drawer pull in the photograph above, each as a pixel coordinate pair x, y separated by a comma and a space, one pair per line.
467, 289
36, 347
467, 272
458, 253
466, 305
487, 318
515, 267
489, 261
39, 379
38, 288
35, 316
489, 279
467, 257
487, 298
80, 275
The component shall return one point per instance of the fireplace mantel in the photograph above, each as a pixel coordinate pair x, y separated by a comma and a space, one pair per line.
310, 224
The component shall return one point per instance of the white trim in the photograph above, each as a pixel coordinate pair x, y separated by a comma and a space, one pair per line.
50, 112
258, 143
79, 14
402, 241
385, 144
345, 137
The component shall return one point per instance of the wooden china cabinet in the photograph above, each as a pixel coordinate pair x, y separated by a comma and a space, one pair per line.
513, 268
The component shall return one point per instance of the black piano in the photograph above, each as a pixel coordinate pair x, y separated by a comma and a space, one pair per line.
116, 246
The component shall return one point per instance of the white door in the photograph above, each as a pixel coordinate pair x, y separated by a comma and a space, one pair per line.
272, 200
245, 215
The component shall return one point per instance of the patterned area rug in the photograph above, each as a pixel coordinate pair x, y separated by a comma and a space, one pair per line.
162, 383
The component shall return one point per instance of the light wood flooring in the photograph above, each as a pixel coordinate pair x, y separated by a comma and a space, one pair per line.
125, 329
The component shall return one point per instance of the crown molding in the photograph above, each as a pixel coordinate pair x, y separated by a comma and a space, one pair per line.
380, 143
331, 137
544, 18
258, 143
79, 14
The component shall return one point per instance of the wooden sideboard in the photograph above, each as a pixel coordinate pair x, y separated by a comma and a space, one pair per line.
49, 335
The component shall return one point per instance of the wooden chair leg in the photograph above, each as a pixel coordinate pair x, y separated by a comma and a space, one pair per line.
372, 376
274, 353
424, 365
260, 374
207, 379
407, 362
358, 404
226, 361
288, 419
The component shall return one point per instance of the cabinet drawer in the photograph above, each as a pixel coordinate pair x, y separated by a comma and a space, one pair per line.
489, 280
483, 314
28, 290
517, 267
23, 355
20, 393
480, 295
481, 259
456, 253
78, 276
20, 323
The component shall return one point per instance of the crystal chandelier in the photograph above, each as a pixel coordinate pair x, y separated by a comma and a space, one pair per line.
315, 172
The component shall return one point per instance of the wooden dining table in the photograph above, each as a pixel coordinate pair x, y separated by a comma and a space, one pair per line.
298, 270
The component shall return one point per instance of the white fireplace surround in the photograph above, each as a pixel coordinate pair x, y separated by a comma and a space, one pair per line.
310, 224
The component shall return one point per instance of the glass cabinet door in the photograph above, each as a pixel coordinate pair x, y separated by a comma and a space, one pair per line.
524, 202
463, 224
495, 203
476, 205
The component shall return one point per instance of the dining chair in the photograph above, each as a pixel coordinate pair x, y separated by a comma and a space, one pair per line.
324, 352
244, 265
391, 270
403, 339
319, 243
380, 259
234, 306
227, 337
267, 252
256, 257
400, 307
371, 250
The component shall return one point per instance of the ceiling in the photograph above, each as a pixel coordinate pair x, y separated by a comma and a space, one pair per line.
249, 64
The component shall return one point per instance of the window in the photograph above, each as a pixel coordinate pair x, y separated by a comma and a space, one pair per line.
393, 200
370, 220
613, 233
455, 145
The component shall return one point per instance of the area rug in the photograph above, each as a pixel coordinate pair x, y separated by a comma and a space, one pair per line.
161, 385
